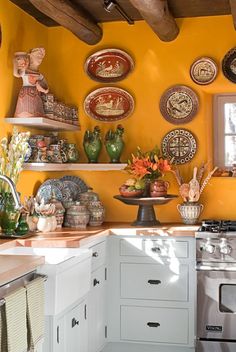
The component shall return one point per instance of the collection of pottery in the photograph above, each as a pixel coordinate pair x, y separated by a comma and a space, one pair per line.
89, 210
114, 144
50, 148
57, 110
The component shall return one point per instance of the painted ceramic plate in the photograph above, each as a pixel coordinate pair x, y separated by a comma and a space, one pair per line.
179, 104
72, 187
179, 145
49, 187
109, 65
203, 71
229, 65
109, 104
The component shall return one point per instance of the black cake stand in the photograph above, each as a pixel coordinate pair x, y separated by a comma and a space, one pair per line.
146, 214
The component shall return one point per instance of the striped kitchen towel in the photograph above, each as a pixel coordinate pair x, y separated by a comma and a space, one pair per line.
16, 327
35, 313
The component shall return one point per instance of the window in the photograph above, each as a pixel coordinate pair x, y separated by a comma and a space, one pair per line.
225, 130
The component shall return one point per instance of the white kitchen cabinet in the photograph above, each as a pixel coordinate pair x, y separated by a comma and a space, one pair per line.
68, 332
151, 293
97, 298
76, 329
96, 310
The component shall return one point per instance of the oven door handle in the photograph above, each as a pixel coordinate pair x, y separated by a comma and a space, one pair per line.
205, 267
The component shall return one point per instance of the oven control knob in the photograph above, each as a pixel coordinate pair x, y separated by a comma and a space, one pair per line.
210, 248
225, 249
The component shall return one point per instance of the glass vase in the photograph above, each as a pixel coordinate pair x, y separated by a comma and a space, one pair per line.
9, 215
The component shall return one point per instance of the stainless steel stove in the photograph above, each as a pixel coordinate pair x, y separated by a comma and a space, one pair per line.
216, 286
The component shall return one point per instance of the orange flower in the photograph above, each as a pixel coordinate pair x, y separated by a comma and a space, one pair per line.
148, 165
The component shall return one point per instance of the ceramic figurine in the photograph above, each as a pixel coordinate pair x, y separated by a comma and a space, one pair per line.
114, 144
92, 144
29, 103
59, 209
72, 153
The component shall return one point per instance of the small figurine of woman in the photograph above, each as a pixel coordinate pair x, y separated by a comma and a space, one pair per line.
29, 103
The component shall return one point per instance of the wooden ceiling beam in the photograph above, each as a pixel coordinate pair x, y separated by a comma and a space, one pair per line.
233, 11
72, 17
156, 13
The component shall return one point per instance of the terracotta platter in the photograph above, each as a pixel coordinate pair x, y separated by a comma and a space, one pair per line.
109, 104
203, 70
179, 104
229, 65
179, 145
109, 65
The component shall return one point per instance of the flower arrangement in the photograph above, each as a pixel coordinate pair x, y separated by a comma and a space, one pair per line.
12, 156
191, 191
147, 165
144, 167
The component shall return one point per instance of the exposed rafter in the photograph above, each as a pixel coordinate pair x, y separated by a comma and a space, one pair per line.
159, 18
233, 11
71, 17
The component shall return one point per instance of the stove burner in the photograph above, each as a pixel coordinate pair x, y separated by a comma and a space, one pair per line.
217, 226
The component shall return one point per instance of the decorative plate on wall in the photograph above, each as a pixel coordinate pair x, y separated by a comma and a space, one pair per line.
229, 65
109, 104
109, 65
203, 71
179, 104
179, 145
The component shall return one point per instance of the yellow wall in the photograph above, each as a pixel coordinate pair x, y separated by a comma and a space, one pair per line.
158, 66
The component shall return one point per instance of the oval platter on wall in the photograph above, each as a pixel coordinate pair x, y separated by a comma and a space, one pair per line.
179, 104
203, 71
109, 65
109, 104
179, 145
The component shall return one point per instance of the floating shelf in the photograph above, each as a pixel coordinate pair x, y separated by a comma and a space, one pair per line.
71, 167
42, 123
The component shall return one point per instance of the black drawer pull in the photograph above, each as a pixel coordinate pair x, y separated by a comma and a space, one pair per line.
152, 324
95, 254
156, 249
96, 282
154, 282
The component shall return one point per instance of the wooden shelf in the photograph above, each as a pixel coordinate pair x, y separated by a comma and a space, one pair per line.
71, 167
42, 123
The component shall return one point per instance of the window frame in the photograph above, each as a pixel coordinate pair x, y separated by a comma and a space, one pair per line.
219, 102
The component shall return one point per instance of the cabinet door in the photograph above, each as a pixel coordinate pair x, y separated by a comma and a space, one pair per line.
76, 331
96, 310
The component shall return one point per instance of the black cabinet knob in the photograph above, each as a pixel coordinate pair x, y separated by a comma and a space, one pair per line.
74, 322
96, 282
95, 254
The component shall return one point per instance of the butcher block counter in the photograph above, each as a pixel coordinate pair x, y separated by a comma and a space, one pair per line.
13, 266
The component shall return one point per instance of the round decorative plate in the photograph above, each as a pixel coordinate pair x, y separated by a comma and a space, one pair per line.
203, 71
72, 187
46, 190
109, 65
179, 145
179, 104
229, 65
109, 104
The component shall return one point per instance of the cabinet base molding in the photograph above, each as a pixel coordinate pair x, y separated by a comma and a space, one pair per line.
136, 347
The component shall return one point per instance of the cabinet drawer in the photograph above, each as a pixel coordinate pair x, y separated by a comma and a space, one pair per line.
98, 255
154, 248
154, 281
148, 324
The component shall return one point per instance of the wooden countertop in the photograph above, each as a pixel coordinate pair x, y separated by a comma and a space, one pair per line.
12, 266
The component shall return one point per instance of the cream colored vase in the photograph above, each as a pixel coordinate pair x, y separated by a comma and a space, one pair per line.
190, 212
